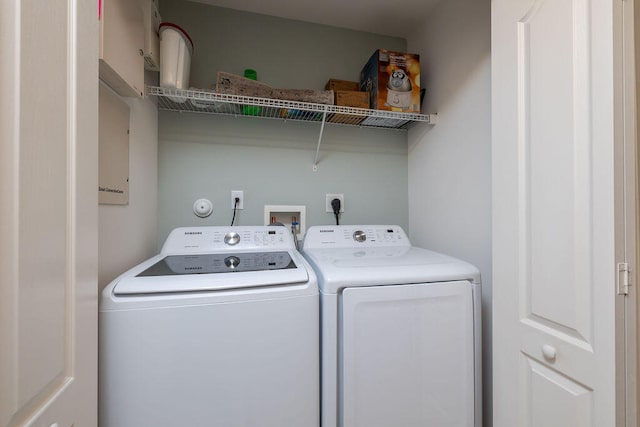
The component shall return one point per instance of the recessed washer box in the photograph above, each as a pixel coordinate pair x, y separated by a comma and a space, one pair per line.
287, 215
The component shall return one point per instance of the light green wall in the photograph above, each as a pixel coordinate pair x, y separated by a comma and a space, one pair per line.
285, 53
203, 156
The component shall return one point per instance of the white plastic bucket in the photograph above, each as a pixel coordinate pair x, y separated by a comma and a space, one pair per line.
176, 49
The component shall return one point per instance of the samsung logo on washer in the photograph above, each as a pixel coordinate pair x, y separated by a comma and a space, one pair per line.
186, 233
327, 231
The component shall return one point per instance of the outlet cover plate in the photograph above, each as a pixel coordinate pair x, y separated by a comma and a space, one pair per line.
329, 198
239, 194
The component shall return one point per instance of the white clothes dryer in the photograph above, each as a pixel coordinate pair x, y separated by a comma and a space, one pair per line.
400, 330
219, 329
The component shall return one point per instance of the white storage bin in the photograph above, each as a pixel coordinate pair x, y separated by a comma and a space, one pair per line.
176, 49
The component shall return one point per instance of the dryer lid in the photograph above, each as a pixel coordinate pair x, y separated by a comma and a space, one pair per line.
372, 255
348, 267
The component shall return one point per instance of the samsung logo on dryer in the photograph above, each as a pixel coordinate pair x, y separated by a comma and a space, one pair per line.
191, 233
327, 231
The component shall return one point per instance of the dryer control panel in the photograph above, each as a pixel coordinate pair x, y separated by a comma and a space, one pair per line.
227, 239
348, 236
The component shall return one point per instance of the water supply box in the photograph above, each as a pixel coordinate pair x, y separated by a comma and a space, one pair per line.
393, 80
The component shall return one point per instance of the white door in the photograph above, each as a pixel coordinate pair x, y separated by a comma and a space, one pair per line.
48, 212
557, 136
407, 356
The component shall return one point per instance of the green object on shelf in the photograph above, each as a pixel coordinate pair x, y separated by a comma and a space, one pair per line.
250, 110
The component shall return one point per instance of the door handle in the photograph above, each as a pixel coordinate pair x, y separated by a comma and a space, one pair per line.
549, 352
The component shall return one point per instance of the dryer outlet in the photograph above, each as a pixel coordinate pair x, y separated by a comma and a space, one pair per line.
329, 198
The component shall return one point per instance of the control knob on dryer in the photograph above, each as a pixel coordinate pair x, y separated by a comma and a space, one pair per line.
231, 238
359, 236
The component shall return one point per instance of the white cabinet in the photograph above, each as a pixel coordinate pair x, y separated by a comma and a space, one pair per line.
121, 46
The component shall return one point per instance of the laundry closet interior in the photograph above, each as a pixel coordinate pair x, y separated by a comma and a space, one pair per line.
433, 180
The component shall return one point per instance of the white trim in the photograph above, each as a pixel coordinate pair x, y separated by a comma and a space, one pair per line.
629, 348
9, 197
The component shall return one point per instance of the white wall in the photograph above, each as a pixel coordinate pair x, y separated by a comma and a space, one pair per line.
450, 163
284, 52
128, 234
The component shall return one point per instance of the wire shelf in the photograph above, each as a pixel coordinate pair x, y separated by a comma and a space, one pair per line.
200, 101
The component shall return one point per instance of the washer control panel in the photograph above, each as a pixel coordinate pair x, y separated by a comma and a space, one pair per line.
175, 265
221, 239
345, 236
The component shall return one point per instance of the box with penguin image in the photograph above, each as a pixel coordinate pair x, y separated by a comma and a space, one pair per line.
393, 80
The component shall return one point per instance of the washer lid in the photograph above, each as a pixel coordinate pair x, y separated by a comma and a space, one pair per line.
338, 268
209, 272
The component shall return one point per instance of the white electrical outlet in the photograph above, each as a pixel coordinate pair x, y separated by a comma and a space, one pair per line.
329, 198
240, 195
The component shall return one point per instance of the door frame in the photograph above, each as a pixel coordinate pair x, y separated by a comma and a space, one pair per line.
626, 65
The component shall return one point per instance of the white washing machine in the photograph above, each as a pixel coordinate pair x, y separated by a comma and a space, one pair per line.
400, 330
219, 329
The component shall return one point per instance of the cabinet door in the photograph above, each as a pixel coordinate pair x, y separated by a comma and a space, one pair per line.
121, 46
556, 137
48, 213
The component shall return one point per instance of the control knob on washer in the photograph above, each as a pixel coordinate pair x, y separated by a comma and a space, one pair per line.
231, 238
359, 236
232, 262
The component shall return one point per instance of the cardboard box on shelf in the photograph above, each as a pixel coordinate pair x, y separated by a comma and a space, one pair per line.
352, 98
393, 79
232, 84
304, 95
336, 85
